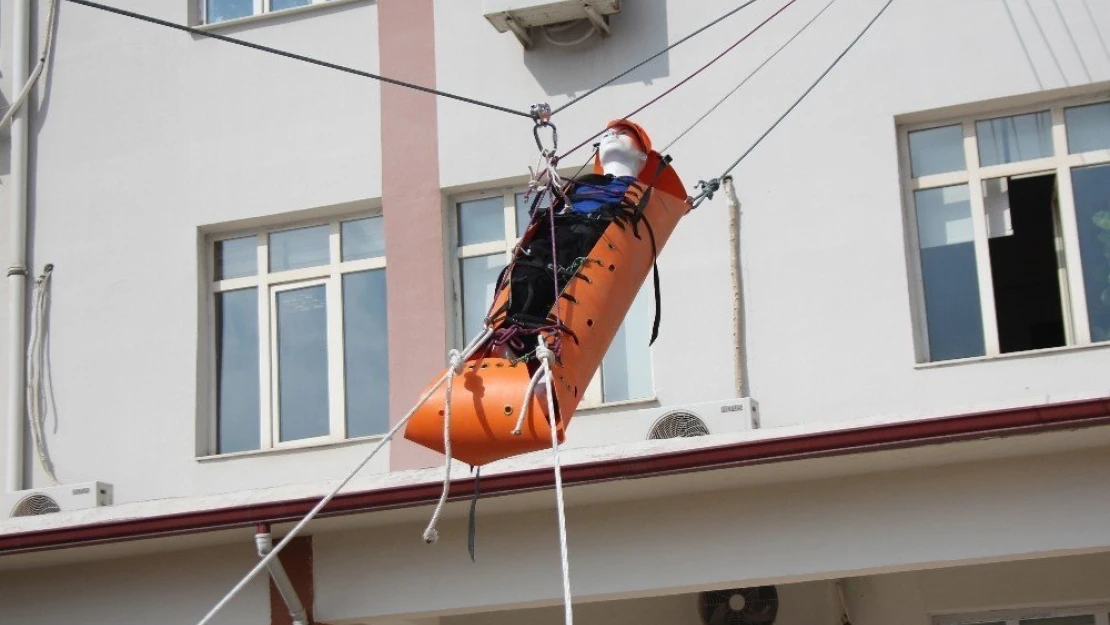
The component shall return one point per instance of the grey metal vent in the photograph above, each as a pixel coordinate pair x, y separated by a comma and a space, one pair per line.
678, 424
35, 505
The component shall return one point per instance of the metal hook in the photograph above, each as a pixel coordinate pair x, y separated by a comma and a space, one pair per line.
541, 113
554, 138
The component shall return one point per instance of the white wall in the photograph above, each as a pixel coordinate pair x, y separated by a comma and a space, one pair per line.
147, 135
799, 604
963, 513
828, 307
171, 588
911, 598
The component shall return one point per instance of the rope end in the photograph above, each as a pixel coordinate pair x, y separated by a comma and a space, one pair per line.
431, 536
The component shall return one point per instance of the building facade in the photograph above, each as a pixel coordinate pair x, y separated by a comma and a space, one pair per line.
896, 334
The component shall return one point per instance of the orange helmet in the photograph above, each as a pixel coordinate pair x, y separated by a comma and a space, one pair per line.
635, 130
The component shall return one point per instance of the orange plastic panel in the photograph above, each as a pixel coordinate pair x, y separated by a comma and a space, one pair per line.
487, 396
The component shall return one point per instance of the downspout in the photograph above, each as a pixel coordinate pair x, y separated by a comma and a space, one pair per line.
739, 362
265, 543
17, 244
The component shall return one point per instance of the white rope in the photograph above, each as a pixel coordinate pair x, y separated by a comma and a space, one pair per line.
35, 73
519, 428
36, 391
320, 506
431, 535
546, 355
746, 79
455, 360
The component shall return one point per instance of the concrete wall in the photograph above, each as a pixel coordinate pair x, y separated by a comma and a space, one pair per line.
146, 139
968, 513
912, 598
176, 588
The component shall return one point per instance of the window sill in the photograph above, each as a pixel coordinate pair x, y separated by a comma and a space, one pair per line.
261, 17
1033, 353
311, 444
624, 404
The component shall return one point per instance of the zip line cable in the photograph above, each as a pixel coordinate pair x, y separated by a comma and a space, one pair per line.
701, 69
298, 57
747, 78
808, 90
652, 57
707, 192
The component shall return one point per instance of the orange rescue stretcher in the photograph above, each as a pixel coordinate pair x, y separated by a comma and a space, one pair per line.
489, 391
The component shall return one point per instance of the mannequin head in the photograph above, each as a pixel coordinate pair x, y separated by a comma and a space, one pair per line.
623, 149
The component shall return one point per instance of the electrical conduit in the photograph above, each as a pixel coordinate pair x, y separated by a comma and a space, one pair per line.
17, 246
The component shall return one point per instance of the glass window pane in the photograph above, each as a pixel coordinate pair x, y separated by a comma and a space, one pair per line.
302, 347
366, 353
626, 367
479, 277
236, 258
951, 283
1085, 619
1088, 127
362, 238
523, 208
295, 249
481, 221
937, 150
220, 10
1092, 212
277, 5
1015, 138
237, 387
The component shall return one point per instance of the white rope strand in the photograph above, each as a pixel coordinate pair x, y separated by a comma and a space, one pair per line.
19, 100
320, 506
431, 535
36, 390
546, 355
519, 428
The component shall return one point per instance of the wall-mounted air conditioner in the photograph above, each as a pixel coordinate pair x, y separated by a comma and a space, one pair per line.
65, 498
521, 16
687, 420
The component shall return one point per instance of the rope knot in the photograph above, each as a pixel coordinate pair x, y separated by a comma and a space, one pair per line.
544, 353
454, 361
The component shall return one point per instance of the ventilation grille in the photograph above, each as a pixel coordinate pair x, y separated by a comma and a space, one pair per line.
757, 605
35, 505
678, 424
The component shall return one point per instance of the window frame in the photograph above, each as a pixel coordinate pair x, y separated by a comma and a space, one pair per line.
592, 396
1011, 616
1060, 164
268, 284
260, 8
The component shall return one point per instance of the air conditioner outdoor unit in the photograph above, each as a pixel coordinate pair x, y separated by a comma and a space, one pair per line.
687, 420
519, 16
65, 498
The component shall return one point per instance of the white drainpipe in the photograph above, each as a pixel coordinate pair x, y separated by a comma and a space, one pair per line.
736, 273
17, 246
265, 543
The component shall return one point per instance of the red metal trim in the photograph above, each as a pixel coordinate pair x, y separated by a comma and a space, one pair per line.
999, 423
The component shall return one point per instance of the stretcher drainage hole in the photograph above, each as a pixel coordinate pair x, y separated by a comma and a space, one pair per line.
612, 267
590, 322
508, 410
441, 413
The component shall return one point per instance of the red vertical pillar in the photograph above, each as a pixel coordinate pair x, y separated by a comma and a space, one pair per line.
411, 201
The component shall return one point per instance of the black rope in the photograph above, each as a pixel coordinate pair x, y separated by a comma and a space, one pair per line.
298, 57
807, 91
653, 57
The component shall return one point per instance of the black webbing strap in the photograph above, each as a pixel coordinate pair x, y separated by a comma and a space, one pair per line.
470, 533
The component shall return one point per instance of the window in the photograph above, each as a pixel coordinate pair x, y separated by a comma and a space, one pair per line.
1037, 616
1010, 224
300, 335
486, 227
222, 10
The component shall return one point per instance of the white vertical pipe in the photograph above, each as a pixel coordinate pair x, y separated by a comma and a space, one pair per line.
17, 246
